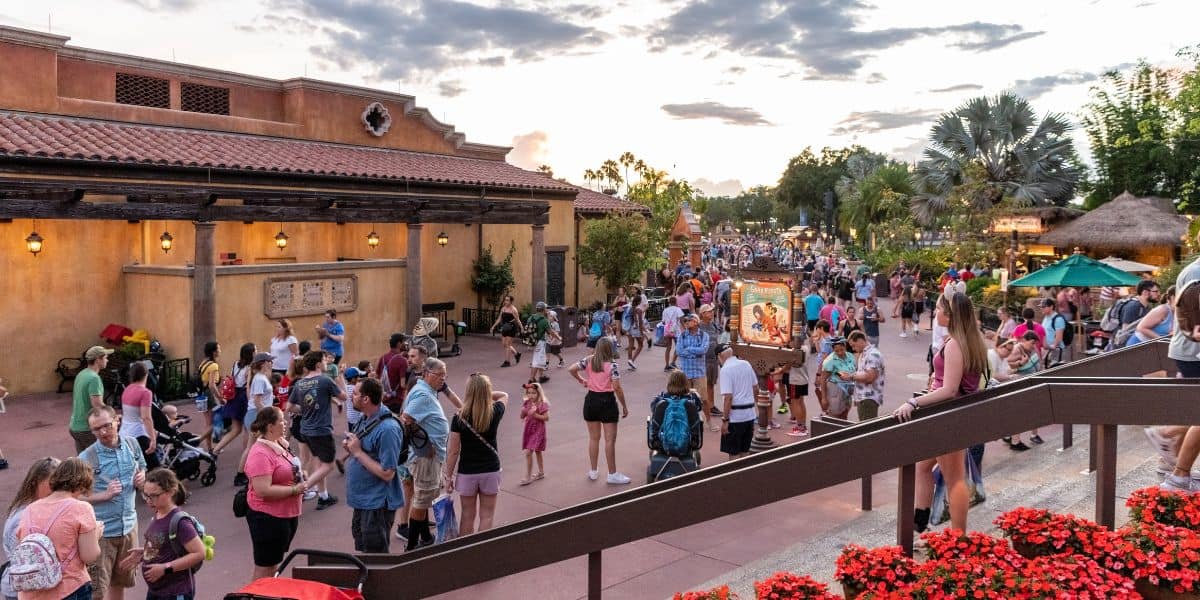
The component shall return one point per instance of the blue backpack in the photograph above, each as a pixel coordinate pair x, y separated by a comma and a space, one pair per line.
674, 434
597, 328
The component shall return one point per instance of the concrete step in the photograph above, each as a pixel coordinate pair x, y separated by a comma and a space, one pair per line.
1043, 477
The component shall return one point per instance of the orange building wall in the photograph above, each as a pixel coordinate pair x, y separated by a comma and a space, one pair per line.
28, 78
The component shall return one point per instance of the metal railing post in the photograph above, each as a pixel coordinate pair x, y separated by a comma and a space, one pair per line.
866, 493
594, 575
1106, 474
905, 507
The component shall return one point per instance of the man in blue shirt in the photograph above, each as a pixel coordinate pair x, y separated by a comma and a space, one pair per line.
425, 464
120, 471
372, 487
813, 303
333, 336
692, 349
1055, 325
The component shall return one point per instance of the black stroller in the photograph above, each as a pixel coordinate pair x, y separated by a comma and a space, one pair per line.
664, 465
180, 451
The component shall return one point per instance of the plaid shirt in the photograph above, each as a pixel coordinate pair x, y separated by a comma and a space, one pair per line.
692, 348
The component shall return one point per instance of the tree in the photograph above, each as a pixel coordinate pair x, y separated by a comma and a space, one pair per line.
618, 249
1019, 159
875, 191
716, 211
610, 173
1127, 125
627, 159
759, 205
490, 279
808, 176
547, 170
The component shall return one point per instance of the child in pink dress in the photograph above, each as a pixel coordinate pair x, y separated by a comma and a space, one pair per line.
535, 411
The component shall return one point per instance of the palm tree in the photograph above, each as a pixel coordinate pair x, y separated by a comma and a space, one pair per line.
547, 170
872, 198
590, 176
626, 159
990, 150
610, 173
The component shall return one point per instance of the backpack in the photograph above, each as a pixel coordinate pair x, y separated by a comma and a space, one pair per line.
389, 394
1121, 337
1111, 321
1068, 330
197, 383
674, 433
173, 534
34, 563
596, 330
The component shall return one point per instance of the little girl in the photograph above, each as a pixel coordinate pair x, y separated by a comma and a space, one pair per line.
535, 411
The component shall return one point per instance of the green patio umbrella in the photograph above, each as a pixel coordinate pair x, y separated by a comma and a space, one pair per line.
1077, 271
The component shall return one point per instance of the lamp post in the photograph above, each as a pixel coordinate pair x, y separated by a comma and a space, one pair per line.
281, 239
372, 239
443, 239
33, 243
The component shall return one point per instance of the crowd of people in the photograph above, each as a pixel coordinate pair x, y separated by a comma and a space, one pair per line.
401, 448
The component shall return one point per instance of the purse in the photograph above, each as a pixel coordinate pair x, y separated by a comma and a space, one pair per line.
240, 505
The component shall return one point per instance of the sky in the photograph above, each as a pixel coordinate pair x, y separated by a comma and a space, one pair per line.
721, 93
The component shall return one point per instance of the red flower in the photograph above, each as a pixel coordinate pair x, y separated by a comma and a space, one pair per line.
879, 569
717, 593
1154, 505
788, 586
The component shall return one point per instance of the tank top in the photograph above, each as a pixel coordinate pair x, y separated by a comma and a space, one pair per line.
598, 382
969, 383
1159, 330
506, 317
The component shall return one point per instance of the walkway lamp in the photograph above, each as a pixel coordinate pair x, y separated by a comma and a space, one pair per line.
373, 240
443, 239
165, 241
33, 242
281, 239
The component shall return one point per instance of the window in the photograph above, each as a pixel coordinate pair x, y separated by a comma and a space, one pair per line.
194, 97
143, 91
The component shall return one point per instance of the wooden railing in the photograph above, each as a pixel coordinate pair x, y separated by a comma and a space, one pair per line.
1102, 391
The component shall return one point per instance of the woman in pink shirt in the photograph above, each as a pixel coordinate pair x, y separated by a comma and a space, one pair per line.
685, 299
71, 525
598, 373
274, 494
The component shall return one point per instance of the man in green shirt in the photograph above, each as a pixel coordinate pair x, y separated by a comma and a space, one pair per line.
541, 324
88, 393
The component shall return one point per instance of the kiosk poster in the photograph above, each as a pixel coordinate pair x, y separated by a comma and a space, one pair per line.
766, 314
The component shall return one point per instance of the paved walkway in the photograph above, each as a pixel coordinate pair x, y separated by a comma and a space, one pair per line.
35, 426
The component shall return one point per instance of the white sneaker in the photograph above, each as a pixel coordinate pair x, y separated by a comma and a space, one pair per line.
1177, 484
1161, 444
310, 494
618, 478
593, 475
903, 335
1165, 468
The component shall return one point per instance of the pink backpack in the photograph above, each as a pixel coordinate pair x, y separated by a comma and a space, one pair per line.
35, 565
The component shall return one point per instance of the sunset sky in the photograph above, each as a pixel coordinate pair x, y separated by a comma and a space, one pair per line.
719, 92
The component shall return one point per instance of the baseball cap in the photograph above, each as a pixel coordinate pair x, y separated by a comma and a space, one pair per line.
706, 308
691, 317
540, 306
351, 373
721, 348
1046, 302
96, 352
262, 357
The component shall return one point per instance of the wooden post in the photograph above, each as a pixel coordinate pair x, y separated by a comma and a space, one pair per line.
1068, 434
204, 289
906, 507
412, 305
1106, 474
539, 264
595, 576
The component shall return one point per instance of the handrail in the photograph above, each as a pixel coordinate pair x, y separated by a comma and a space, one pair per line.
1080, 392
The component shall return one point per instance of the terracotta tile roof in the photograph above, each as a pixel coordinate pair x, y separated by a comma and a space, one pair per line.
72, 138
589, 202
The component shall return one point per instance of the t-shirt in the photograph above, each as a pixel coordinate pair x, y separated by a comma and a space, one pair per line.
1052, 325
314, 395
160, 550
812, 306
870, 321
1019, 333
261, 385
1183, 347
330, 345
604, 318
798, 373
870, 358
599, 381
834, 364
738, 378
210, 373
670, 320
397, 373
831, 313
133, 399
76, 518
423, 406
121, 463
241, 375
364, 490
282, 391
281, 352
264, 460
1132, 311
475, 457
87, 384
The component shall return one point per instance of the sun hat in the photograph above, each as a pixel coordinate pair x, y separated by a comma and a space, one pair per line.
425, 326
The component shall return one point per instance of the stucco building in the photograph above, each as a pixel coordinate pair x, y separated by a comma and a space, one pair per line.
105, 155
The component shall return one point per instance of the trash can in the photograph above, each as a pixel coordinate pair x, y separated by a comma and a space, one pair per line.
568, 322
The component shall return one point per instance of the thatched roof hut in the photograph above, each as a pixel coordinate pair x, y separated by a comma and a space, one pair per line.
1125, 222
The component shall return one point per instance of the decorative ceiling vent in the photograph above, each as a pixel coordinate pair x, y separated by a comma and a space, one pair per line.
140, 90
377, 119
194, 97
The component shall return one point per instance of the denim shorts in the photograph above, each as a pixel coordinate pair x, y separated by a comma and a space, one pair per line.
487, 484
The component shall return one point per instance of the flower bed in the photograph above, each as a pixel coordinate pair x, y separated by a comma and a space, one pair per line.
880, 570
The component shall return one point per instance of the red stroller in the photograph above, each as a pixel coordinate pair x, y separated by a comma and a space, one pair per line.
282, 588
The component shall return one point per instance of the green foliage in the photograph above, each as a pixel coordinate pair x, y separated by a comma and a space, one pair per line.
1167, 276
490, 279
618, 249
130, 351
992, 149
873, 192
808, 176
975, 287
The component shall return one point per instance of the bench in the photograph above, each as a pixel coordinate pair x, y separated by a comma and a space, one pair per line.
67, 369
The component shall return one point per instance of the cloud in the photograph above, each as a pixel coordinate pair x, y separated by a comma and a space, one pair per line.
278, 24
728, 187
414, 39
735, 70
910, 153
873, 121
529, 150
451, 88
1037, 87
821, 34
165, 5
876, 78
962, 87
730, 115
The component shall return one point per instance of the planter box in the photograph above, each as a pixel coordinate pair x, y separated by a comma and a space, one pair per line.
851, 591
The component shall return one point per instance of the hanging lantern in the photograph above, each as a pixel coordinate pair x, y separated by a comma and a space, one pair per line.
281, 239
443, 239
165, 241
373, 240
34, 243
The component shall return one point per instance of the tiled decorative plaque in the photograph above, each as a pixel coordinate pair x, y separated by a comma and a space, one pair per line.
298, 296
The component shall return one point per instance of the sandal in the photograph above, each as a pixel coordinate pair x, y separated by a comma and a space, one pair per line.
538, 476
526, 481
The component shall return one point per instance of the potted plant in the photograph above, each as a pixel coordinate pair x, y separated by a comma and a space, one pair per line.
718, 593
1164, 560
1039, 532
880, 570
789, 586
1155, 505
1073, 576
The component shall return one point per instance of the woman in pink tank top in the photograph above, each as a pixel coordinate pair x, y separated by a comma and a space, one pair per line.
599, 375
958, 370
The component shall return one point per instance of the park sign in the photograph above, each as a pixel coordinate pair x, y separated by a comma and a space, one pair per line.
766, 316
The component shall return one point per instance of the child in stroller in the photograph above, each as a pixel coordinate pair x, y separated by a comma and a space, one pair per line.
179, 450
668, 462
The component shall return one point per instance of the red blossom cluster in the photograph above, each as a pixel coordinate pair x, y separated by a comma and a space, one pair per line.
1164, 555
1039, 532
789, 586
952, 544
880, 570
1074, 576
1155, 505
717, 593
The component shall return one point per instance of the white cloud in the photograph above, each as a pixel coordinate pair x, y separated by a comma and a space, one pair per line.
728, 187
529, 151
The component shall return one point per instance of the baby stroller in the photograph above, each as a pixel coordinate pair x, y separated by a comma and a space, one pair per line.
180, 451
664, 464
282, 588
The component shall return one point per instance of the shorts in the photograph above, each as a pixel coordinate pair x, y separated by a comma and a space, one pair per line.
106, 572
539, 356
370, 529
83, 439
1188, 368
867, 409
322, 447
799, 391
737, 441
236, 409
906, 311
601, 407
837, 400
294, 429
472, 484
555, 349
427, 480
711, 366
270, 536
